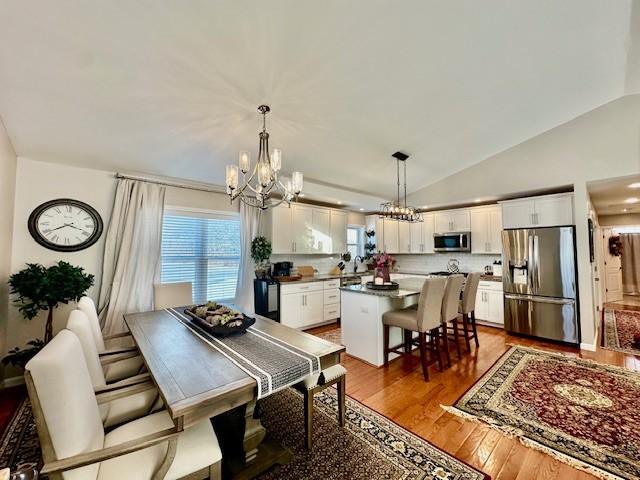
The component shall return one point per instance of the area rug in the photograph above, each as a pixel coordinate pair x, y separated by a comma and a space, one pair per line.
583, 413
619, 328
370, 447
333, 336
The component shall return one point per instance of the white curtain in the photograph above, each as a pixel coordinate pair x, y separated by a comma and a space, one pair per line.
630, 263
249, 227
132, 253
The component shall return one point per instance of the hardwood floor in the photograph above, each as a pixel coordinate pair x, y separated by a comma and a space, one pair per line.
400, 393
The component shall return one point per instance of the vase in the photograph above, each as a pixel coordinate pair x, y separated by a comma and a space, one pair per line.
383, 272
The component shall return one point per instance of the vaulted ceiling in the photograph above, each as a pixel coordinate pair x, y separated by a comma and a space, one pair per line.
171, 88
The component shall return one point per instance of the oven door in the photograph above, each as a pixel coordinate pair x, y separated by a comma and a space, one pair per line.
452, 242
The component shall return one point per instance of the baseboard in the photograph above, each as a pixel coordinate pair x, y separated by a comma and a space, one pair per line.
11, 382
591, 347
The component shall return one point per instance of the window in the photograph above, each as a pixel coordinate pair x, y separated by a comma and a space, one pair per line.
204, 249
355, 241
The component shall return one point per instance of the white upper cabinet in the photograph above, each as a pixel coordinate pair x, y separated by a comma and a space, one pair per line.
452, 221
338, 231
546, 211
486, 228
281, 241
404, 237
320, 230
391, 240
421, 234
416, 239
302, 228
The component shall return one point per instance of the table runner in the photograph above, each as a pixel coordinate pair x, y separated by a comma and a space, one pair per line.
273, 363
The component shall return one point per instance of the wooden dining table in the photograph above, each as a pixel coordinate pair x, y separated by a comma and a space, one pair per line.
198, 382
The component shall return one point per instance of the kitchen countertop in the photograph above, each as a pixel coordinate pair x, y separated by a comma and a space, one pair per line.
488, 278
400, 293
325, 276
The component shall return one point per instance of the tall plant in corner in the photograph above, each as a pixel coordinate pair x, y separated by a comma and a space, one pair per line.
260, 254
40, 288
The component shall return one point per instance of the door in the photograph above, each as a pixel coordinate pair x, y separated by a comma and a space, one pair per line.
391, 242
517, 214
443, 222
416, 240
479, 231
494, 236
495, 303
553, 266
517, 268
553, 211
321, 230
404, 237
291, 306
281, 241
612, 269
543, 317
379, 237
460, 220
427, 233
301, 226
482, 305
313, 308
338, 232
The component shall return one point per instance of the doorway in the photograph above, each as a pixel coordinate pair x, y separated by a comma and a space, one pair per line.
622, 265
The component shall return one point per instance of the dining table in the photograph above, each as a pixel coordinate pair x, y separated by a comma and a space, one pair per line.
199, 376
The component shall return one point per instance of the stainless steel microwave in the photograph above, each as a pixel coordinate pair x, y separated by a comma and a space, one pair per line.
452, 242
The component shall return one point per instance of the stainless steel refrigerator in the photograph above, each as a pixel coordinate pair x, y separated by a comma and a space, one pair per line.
539, 278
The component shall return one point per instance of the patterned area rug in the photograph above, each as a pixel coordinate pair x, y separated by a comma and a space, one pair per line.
619, 328
333, 336
583, 413
369, 448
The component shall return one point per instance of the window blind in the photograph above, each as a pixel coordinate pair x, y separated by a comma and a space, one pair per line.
202, 249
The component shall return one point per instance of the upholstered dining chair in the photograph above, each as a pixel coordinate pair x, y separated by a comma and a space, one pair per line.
335, 375
143, 397
167, 295
425, 320
119, 361
467, 307
450, 303
74, 443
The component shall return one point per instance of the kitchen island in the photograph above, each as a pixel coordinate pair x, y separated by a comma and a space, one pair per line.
361, 317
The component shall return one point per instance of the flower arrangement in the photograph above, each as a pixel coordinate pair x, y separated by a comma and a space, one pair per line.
383, 259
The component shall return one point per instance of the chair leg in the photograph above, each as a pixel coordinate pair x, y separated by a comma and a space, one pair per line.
456, 337
308, 418
385, 345
475, 330
408, 335
435, 338
341, 401
423, 355
445, 341
465, 327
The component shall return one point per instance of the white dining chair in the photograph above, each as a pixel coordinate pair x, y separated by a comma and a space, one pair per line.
168, 295
467, 308
72, 436
119, 361
450, 303
144, 399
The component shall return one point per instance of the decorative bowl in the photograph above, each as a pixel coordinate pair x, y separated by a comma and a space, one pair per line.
220, 330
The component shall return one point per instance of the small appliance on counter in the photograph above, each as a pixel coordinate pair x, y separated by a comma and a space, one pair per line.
497, 268
488, 270
282, 269
266, 298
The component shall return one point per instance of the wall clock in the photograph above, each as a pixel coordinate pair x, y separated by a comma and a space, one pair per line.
65, 225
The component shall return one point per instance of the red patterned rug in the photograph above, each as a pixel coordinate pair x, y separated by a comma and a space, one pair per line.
583, 413
620, 326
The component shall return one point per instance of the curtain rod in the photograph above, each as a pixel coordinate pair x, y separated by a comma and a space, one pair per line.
169, 183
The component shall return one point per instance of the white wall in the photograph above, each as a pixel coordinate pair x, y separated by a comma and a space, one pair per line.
619, 220
8, 162
603, 143
38, 182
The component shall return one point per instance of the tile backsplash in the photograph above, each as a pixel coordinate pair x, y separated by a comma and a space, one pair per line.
413, 263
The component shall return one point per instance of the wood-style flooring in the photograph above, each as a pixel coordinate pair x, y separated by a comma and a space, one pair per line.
400, 393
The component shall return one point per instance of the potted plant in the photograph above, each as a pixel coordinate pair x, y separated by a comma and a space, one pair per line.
40, 288
384, 263
260, 253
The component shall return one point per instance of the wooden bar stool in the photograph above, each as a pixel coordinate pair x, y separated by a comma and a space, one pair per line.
316, 383
450, 304
426, 320
467, 309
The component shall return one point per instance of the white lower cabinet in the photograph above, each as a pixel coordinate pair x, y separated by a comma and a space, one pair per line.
490, 303
307, 304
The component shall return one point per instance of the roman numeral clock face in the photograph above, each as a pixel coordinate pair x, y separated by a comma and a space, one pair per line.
65, 225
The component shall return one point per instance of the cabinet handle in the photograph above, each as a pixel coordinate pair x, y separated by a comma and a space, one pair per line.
537, 220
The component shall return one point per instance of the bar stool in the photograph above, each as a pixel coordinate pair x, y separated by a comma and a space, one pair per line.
316, 383
426, 320
450, 304
467, 308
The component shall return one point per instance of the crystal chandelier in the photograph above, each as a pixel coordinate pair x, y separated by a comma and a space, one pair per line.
397, 210
263, 182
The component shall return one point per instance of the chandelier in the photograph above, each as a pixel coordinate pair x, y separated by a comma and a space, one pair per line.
263, 183
398, 210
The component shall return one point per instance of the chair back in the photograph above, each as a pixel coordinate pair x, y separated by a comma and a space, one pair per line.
79, 324
64, 404
469, 293
430, 303
87, 305
167, 295
451, 299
